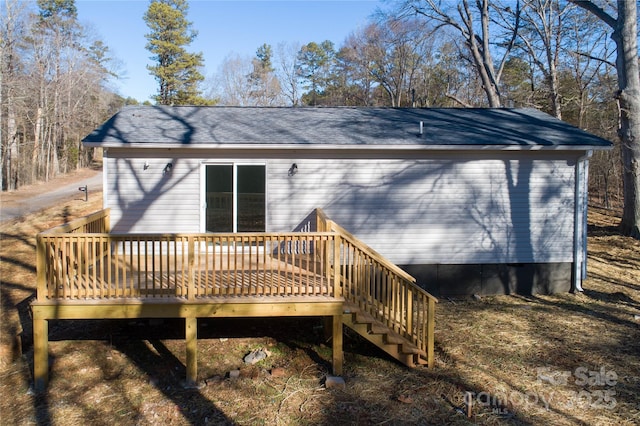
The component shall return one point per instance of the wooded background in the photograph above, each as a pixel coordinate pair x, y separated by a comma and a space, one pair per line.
546, 54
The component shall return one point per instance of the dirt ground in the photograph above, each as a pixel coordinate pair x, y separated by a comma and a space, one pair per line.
562, 359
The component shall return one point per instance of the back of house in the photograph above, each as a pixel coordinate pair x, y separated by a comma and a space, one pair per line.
468, 201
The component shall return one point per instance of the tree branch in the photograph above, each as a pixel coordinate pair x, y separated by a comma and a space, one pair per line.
512, 41
597, 11
586, 55
458, 100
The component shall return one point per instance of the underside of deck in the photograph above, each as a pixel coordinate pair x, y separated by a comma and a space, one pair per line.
176, 307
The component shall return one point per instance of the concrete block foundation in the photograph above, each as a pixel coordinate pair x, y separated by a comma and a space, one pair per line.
493, 279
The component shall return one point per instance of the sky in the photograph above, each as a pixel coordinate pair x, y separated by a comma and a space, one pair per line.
224, 28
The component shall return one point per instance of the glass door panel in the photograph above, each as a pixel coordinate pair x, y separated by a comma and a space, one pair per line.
251, 198
219, 198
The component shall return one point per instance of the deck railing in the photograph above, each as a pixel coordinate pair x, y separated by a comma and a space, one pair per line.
82, 260
383, 290
98, 222
191, 266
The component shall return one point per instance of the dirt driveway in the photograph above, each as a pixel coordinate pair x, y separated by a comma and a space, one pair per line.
32, 198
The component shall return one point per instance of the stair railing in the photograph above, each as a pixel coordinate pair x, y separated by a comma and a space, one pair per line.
382, 289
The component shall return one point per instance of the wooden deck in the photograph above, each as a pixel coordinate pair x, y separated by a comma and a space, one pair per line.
84, 272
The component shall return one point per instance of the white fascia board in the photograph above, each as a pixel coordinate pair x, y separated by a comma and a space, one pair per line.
328, 147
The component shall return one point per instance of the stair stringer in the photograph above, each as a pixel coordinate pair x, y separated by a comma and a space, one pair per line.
384, 338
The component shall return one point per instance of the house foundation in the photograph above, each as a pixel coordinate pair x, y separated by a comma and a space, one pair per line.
493, 279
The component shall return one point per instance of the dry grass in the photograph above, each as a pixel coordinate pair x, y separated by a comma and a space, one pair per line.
130, 372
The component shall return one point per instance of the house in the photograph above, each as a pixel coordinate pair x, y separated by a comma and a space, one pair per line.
349, 214
468, 201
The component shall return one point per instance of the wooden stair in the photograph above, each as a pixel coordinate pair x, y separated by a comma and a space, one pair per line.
380, 335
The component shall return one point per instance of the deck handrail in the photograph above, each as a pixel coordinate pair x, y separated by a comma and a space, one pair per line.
329, 225
80, 266
383, 290
98, 222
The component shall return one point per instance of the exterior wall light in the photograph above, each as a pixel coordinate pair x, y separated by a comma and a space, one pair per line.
293, 169
167, 168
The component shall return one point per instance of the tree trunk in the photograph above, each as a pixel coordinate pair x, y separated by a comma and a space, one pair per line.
629, 98
35, 157
625, 30
552, 48
479, 45
12, 154
482, 56
1, 121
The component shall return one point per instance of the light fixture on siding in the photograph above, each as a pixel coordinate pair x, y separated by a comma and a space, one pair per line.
293, 169
146, 165
167, 168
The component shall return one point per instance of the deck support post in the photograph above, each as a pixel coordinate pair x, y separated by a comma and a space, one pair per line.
40, 354
338, 356
191, 336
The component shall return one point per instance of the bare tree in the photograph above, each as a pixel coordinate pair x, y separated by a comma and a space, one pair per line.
624, 33
246, 81
541, 35
52, 90
231, 85
588, 78
391, 52
286, 65
477, 37
11, 32
354, 66
587, 60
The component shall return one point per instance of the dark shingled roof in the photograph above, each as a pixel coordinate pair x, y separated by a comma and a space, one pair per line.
456, 128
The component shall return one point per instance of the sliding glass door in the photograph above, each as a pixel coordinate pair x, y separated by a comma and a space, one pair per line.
235, 198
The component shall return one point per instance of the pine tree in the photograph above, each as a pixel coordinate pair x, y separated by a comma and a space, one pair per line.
314, 65
176, 70
264, 86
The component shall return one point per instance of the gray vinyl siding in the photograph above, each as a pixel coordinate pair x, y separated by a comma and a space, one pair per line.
447, 211
148, 201
447, 208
